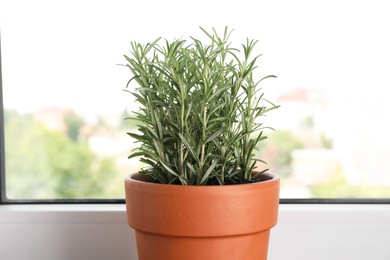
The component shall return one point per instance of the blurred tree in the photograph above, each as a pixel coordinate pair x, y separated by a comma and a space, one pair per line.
73, 123
277, 150
126, 123
27, 173
69, 163
44, 164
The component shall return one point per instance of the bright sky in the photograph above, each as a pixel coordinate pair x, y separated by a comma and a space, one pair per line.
65, 53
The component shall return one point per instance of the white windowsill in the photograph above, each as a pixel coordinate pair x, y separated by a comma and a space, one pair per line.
99, 231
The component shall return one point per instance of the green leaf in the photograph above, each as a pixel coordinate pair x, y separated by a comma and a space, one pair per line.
208, 172
188, 146
215, 135
199, 107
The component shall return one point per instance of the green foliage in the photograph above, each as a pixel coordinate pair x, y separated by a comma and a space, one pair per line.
27, 174
277, 151
72, 168
45, 164
73, 123
127, 124
326, 142
200, 109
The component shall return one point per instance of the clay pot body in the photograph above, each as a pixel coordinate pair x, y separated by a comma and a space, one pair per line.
174, 222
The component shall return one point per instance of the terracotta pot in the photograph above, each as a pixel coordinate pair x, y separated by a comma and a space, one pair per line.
174, 222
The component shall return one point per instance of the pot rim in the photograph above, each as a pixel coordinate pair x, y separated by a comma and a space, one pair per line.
175, 210
138, 178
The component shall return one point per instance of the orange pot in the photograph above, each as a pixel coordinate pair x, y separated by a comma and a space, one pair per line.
174, 222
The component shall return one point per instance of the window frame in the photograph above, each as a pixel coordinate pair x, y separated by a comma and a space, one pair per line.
2, 143
5, 200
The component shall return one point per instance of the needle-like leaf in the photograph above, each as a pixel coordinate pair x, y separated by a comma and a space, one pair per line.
200, 109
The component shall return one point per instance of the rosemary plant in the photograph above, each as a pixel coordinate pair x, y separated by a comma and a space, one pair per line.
199, 110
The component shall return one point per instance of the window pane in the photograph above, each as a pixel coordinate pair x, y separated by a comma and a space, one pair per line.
65, 136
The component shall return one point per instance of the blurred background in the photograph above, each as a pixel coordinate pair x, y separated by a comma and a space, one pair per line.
64, 104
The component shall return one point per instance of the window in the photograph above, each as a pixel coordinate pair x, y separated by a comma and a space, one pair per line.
63, 104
